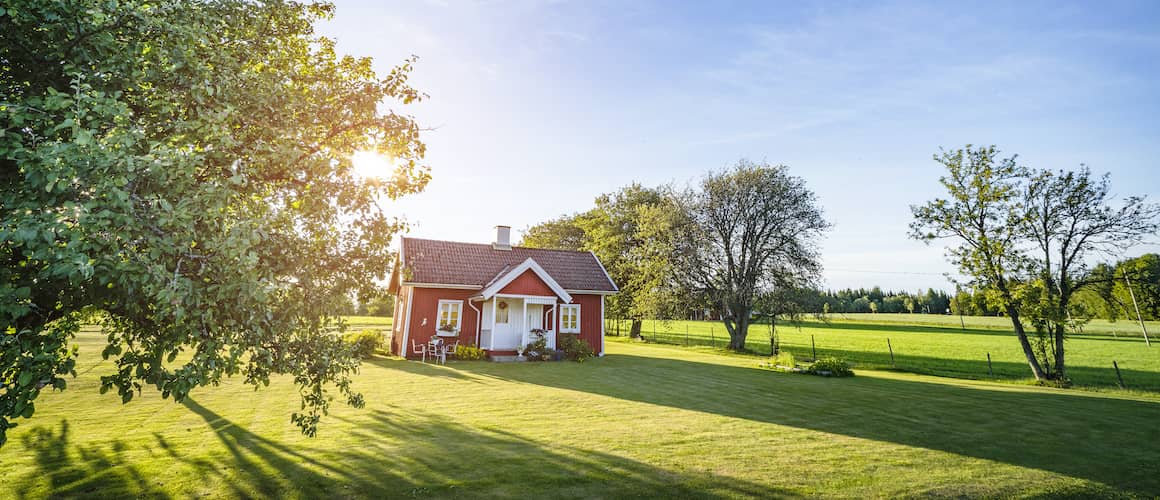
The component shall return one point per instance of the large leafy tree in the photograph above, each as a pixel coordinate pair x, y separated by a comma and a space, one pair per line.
1025, 236
748, 231
980, 214
628, 231
621, 231
183, 169
563, 233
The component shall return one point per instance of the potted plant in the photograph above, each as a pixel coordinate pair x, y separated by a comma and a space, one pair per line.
447, 330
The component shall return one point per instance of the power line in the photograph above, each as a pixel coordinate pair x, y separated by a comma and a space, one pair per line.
866, 271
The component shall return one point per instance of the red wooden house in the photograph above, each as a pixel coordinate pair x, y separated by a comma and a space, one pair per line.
494, 296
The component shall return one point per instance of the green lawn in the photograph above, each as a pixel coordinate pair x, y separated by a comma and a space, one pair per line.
938, 345
1122, 327
646, 420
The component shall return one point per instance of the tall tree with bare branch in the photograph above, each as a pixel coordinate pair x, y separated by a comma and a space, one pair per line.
1069, 217
1024, 237
750, 229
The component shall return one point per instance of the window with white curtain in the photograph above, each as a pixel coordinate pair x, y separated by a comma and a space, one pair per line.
450, 314
570, 318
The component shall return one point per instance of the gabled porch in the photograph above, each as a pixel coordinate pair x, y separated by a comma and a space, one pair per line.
517, 303
509, 320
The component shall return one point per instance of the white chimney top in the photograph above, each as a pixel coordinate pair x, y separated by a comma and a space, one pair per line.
503, 238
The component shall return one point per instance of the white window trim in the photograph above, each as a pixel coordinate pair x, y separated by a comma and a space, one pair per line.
458, 317
564, 308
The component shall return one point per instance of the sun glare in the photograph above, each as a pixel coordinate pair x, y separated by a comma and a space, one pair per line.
369, 164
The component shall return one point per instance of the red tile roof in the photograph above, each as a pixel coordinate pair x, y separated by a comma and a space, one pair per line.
455, 263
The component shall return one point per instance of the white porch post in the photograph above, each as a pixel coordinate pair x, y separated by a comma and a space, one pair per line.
523, 324
491, 338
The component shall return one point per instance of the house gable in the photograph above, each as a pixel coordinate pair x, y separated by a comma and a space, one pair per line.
528, 266
528, 284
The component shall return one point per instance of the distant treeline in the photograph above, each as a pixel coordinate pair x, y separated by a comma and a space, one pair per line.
1108, 298
875, 300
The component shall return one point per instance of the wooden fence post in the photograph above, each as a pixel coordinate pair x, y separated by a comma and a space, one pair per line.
1138, 317
813, 347
686, 335
1118, 376
989, 370
888, 346
713, 336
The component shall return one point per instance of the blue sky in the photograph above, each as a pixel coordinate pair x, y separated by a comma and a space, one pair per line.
539, 106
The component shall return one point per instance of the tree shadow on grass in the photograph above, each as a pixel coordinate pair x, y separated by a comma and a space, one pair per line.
1106, 440
68, 470
418, 367
429, 456
1143, 380
400, 455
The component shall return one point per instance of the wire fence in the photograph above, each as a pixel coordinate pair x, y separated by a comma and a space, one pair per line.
924, 354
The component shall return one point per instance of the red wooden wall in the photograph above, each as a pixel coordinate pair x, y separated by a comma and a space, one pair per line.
528, 284
591, 323
425, 306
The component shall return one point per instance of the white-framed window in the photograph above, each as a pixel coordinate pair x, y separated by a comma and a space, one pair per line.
450, 315
570, 318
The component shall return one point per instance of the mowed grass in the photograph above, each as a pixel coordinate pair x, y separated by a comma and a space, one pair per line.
937, 345
644, 421
1121, 327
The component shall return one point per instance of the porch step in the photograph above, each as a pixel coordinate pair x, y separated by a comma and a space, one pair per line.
507, 359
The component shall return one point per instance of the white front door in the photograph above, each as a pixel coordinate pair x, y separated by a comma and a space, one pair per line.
536, 320
506, 335
535, 316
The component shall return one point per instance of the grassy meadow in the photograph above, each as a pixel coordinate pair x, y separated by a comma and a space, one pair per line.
939, 345
647, 420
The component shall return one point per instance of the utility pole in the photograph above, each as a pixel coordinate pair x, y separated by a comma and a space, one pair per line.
1137, 306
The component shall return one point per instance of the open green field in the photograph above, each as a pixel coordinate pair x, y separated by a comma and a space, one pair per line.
646, 420
936, 345
1120, 328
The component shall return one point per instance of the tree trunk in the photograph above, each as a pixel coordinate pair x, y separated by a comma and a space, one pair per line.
738, 330
1060, 371
773, 336
634, 332
1032, 361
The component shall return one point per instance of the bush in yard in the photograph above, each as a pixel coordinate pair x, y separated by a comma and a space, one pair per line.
470, 353
364, 343
831, 367
786, 359
575, 348
537, 350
